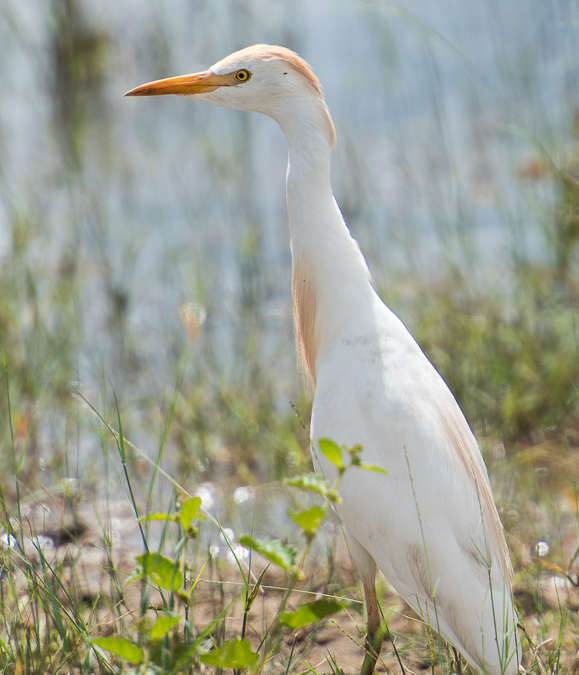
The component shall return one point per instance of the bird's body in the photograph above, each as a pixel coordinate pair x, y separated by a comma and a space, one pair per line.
424, 522
430, 523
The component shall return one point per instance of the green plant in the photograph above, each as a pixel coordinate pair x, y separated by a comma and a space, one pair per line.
169, 643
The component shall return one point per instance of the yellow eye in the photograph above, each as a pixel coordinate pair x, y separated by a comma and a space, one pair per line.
242, 75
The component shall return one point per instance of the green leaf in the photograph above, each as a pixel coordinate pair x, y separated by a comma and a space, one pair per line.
310, 481
373, 467
331, 451
190, 510
156, 516
163, 625
162, 570
236, 653
311, 612
275, 551
309, 519
121, 647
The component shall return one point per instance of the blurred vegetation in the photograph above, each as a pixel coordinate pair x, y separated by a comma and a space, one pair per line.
510, 351
78, 53
508, 348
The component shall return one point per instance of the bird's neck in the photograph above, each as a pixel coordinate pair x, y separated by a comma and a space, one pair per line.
331, 283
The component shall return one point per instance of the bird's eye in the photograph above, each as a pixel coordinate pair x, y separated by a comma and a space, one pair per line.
242, 75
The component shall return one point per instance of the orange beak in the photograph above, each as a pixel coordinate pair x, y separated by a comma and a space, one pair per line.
183, 85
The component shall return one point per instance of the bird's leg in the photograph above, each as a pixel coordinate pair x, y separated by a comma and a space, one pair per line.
374, 635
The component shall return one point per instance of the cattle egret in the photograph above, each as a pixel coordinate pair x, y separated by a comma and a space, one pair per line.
430, 523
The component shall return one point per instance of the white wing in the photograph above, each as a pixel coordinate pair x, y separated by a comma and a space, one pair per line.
449, 560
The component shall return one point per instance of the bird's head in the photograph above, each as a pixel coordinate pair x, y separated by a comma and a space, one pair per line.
263, 78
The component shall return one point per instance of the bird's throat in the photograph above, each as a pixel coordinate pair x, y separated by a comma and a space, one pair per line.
330, 277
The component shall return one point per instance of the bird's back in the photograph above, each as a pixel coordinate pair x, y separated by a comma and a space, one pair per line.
430, 523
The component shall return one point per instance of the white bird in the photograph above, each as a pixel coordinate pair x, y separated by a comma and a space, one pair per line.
430, 523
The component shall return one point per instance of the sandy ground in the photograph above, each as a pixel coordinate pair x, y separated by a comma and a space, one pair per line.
82, 546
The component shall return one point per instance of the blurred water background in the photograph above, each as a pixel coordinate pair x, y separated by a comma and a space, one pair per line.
144, 244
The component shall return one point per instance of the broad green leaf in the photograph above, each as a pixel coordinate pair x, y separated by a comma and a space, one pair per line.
162, 570
310, 481
190, 510
309, 519
128, 651
274, 550
331, 451
163, 625
311, 612
236, 653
